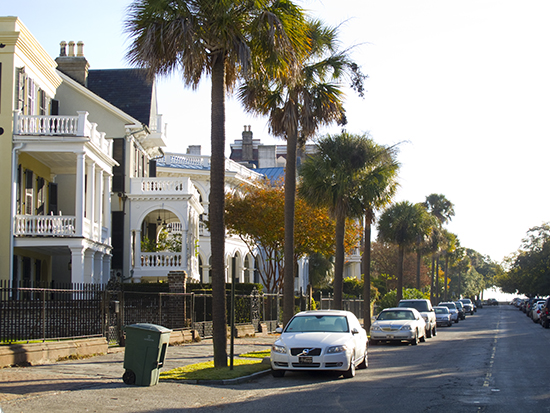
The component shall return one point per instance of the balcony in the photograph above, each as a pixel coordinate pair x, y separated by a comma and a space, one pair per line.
60, 128
44, 225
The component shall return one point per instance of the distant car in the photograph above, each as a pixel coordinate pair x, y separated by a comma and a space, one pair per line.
468, 305
492, 301
320, 340
424, 307
545, 314
461, 312
452, 308
443, 316
398, 324
537, 310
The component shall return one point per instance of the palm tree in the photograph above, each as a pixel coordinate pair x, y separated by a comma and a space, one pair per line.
401, 224
451, 245
222, 39
442, 210
377, 186
331, 178
297, 105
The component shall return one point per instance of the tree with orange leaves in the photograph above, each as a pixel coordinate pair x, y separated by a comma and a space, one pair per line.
256, 215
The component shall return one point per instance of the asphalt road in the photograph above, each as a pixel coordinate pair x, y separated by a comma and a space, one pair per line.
494, 361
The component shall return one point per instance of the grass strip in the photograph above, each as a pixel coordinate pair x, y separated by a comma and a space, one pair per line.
257, 354
207, 371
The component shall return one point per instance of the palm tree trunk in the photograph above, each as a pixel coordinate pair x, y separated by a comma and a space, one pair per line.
437, 279
432, 288
366, 270
339, 259
418, 261
446, 279
290, 200
216, 213
401, 259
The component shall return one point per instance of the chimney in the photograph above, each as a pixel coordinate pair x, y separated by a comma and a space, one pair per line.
74, 66
248, 147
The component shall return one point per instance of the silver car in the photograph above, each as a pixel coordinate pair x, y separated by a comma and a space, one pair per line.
398, 324
443, 316
452, 308
320, 340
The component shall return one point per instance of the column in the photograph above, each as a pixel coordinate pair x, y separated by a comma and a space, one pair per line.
90, 196
99, 205
77, 264
106, 268
89, 266
106, 216
79, 194
98, 268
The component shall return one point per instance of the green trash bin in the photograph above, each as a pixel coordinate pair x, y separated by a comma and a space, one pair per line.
144, 353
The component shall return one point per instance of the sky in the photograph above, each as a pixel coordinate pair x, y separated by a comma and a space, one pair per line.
462, 87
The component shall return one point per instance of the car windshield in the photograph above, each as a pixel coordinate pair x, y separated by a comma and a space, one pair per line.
318, 323
450, 306
466, 301
443, 310
396, 315
418, 305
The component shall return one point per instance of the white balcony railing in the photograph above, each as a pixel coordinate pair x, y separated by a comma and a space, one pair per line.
53, 125
44, 225
161, 259
162, 186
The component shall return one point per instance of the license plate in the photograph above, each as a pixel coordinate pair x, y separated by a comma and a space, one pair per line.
389, 336
305, 360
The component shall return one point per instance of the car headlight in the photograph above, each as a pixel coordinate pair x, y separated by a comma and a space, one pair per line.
375, 328
336, 349
407, 327
278, 349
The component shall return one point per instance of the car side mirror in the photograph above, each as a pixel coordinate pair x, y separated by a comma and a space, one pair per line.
354, 331
279, 330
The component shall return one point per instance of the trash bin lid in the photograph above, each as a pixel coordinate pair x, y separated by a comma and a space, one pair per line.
149, 327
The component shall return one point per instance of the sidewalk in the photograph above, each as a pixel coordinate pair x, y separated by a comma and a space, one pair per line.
106, 370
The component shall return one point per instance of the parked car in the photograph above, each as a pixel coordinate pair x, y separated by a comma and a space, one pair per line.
492, 301
536, 311
468, 305
545, 314
461, 312
398, 324
320, 340
443, 316
424, 307
452, 308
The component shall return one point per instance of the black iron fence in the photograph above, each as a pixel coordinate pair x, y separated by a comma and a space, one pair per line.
55, 311
44, 312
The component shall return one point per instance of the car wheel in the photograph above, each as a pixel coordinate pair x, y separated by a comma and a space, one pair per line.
365, 362
428, 333
546, 323
349, 373
414, 341
434, 331
423, 338
450, 324
277, 373
535, 321
456, 322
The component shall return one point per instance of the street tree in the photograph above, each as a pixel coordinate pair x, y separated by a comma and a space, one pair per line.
331, 178
256, 215
401, 224
222, 40
297, 105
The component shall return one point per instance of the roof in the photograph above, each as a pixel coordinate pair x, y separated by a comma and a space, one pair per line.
273, 174
127, 89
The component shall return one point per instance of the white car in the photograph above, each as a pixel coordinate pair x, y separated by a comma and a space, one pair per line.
452, 308
320, 340
398, 324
